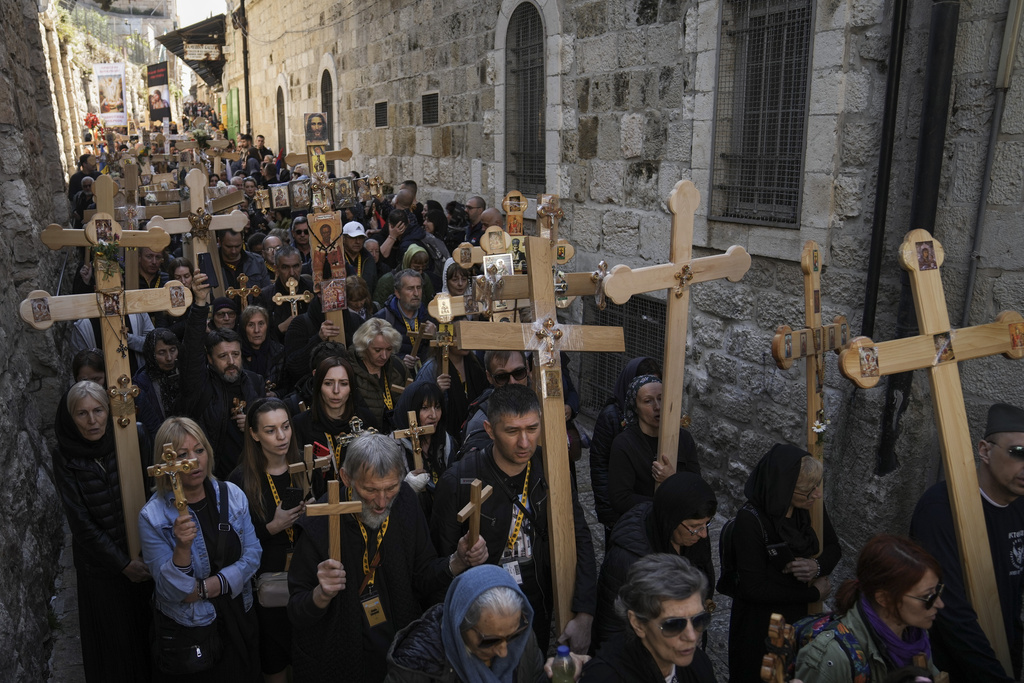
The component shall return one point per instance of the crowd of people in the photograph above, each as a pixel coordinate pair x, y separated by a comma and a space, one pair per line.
236, 581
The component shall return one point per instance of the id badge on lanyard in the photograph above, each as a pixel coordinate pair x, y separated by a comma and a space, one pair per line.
373, 609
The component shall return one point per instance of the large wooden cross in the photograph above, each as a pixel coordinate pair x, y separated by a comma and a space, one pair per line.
413, 433
111, 303
810, 343
676, 276
334, 509
547, 337
938, 348
199, 226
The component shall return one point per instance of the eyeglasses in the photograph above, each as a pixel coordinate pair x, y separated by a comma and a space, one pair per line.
673, 626
488, 642
929, 600
699, 530
501, 378
809, 493
1012, 451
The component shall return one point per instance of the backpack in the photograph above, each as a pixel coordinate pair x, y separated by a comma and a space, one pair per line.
728, 582
808, 628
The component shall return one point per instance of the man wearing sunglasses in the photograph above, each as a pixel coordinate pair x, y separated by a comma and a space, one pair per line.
300, 237
514, 519
503, 368
958, 642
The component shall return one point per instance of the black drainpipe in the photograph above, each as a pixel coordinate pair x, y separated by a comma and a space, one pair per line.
924, 204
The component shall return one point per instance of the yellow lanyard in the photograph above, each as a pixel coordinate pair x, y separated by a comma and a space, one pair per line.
366, 549
334, 449
519, 518
388, 401
415, 325
277, 501
358, 264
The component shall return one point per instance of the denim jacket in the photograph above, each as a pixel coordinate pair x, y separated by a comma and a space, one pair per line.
156, 528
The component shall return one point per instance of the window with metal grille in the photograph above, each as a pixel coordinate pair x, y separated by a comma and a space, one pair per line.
380, 114
431, 113
282, 133
642, 320
327, 104
524, 101
761, 111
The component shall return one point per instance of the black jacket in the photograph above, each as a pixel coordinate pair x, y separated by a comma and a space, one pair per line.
304, 334
280, 313
496, 519
628, 661
207, 399
629, 469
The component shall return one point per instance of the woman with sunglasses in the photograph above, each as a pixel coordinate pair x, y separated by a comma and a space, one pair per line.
663, 603
777, 553
480, 634
634, 465
676, 522
888, 609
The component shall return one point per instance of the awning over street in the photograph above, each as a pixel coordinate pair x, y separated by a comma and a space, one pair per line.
207, 32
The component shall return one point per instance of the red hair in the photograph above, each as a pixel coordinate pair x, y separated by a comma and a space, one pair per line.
887, 564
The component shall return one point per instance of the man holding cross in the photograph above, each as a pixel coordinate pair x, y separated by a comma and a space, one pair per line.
960, 646
234, 261
287, 267
515, 515
345, 614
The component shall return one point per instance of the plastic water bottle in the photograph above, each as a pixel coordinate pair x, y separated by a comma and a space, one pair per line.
563, 668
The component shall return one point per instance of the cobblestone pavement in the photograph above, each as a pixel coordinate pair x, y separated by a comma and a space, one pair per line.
66, 657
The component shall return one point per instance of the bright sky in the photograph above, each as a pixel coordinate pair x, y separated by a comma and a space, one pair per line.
191, 11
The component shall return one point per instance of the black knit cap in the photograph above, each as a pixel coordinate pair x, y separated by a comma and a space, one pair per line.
1002, 417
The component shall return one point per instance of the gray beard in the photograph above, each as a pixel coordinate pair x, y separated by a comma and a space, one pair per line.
371, 519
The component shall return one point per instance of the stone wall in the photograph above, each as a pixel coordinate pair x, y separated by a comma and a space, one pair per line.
32, 372
630, 88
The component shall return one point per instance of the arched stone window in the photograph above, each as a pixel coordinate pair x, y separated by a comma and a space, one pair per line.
524, 101
327, 103
282, 132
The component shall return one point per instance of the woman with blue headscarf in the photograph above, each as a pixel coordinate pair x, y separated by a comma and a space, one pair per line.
634, 466
481, 634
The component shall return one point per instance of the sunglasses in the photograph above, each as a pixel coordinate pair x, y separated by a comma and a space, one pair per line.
929, 600
1012, 451
488, 642
301, 232
501, 378
673, 626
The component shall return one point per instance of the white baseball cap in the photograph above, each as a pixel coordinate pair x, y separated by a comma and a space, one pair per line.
354, 229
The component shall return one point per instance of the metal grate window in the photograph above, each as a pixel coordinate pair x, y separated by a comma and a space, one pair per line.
760, 116
282, 132
380, 114
327, 104
642, 320
429, 105
524, 101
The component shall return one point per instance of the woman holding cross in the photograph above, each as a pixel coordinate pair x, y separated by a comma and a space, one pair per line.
436, 450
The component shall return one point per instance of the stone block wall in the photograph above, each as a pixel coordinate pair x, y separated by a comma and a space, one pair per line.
32, 372
631, 102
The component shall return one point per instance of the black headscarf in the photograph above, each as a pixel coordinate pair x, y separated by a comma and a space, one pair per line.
770, 489
684, 495
627, 375
71, 442
168, 382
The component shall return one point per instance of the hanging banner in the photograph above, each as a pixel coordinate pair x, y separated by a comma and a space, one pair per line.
110, 78
159, 94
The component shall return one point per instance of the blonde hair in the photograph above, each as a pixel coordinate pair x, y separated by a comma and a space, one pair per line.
811, 473
369, 331
86, 389
173, 431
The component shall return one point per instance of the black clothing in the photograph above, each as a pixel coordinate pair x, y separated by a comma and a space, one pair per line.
373, 391
207, 398
267, 362
365, 267
410, 577
629, 468
628, 661
325, 435
464, 390
304, 334
959, 645
280, 313
496, 521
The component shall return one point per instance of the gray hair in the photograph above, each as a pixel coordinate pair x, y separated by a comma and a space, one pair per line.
369, 330
654, 579
86, 389
408, 272
501, 600
374, 454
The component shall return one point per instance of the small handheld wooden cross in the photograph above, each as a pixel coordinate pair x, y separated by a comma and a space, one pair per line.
417, 337
445, 340
334, 508
413, 433
939, 348
291, 297
244, 291
172, 467
306, 467
477, 495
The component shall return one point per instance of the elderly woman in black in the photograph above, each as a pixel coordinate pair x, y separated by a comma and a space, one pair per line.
777, 553
374, 347
114, 589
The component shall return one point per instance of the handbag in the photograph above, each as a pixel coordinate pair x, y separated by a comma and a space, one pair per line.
272, 589
183, 650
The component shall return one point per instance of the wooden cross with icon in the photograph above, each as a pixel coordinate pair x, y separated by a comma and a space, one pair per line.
445, 340
939, 348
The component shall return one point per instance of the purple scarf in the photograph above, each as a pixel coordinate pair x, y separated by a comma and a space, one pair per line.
900, 651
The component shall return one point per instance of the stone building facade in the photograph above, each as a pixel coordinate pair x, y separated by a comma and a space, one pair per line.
631, 95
